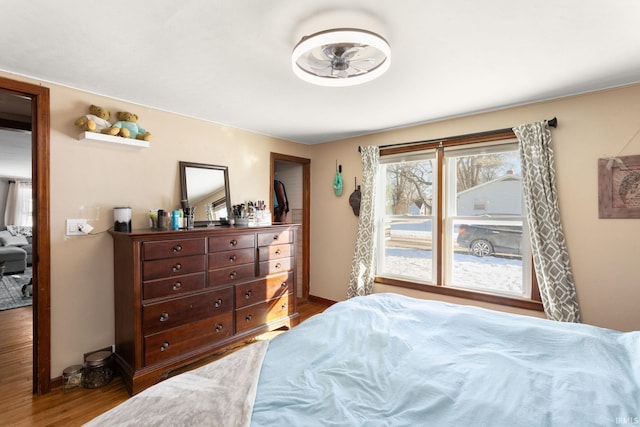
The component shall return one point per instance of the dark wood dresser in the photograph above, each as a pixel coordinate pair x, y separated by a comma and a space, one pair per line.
183, 295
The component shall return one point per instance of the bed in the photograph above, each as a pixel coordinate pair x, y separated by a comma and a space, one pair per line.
390, 360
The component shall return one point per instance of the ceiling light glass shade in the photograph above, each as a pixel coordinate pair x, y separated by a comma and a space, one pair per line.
341, 57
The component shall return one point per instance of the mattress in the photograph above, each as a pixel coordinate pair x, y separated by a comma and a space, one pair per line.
390, 360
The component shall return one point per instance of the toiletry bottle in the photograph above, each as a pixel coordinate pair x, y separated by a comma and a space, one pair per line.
175, 223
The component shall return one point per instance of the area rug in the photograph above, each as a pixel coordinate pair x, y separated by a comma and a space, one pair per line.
11, 292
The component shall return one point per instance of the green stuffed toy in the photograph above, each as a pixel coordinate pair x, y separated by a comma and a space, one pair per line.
127, 127
337, 183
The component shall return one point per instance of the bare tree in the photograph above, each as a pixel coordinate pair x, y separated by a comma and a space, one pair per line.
478, 169
409, 183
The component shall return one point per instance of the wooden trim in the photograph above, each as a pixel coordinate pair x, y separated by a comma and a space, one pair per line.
463, 293
15, 124
472, 138
55, 383
306, 228
40, 152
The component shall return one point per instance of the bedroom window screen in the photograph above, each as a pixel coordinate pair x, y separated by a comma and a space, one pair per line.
454, 217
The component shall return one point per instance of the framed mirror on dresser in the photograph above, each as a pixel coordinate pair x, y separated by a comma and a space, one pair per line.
206, 188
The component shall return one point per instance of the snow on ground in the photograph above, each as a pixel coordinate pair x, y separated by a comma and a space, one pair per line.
492, 273
488, 273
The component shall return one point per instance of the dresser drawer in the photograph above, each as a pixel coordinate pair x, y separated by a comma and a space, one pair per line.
259, 314
275, 266
231, 275
173, 286
227, 243
263, 289
231, 258
183, 339
179, 311
172, 248
162, 268
275, 237
266, 253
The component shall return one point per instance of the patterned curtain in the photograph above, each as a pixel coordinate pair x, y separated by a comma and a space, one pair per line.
550, 256
363, 264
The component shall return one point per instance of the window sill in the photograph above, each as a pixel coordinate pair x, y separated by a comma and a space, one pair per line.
463, 293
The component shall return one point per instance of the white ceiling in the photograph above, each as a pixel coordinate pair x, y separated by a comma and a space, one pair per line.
229, 62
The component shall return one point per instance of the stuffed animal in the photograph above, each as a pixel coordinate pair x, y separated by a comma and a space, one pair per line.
127, 127
96, 121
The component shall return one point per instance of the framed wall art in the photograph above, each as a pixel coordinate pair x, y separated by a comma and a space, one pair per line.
619, 187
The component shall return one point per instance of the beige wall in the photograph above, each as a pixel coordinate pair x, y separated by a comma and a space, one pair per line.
603, 253
89, 178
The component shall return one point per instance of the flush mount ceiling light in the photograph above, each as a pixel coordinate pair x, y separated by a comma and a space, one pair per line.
341, 57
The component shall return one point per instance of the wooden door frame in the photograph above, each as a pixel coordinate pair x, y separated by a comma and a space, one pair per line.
306, 210
41, 257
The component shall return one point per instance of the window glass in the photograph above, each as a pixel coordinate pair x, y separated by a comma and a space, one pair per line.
484, 239
485, 219
407, 223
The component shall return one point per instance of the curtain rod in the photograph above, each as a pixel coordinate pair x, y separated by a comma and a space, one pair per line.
12, 179
551, 122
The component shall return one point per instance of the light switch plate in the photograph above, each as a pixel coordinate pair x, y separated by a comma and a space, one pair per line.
75, 227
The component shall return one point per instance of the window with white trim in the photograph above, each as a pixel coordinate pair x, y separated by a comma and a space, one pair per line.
454, 218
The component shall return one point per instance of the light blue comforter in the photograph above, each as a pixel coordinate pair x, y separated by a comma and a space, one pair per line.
389, 360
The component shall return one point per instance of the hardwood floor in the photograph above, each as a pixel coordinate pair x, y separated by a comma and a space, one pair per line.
19, 407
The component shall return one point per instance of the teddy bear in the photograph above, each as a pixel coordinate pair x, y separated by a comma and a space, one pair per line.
127, 127
96, 121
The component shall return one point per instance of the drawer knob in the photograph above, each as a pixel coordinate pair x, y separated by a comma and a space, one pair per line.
283, 285
278, 251
164, 346
247, 294
248, 317
218, 327
177, 248
276, 237
177, 267
284, 306
218, 303
278, 266
233, 274
177, 286
233, 258
233, 242
164, 317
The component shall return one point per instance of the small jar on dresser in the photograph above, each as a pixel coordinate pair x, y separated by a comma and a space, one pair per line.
183, 295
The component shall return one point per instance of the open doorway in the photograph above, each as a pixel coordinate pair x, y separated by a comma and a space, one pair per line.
16, 221
38, 97
295, 174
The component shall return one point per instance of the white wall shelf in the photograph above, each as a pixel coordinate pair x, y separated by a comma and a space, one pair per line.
94, 136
